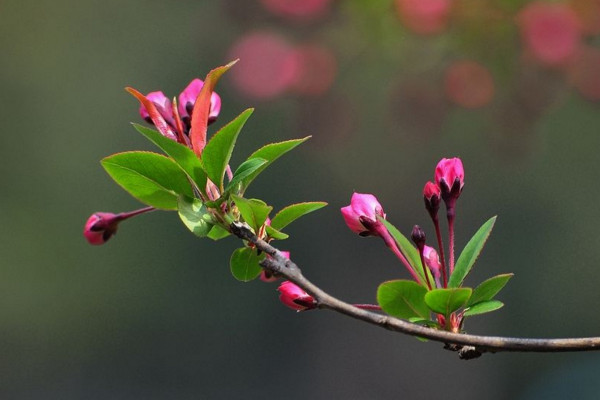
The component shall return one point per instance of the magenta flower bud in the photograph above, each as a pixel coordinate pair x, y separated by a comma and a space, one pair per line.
295, 298
266, 275
361, 215
188, 97
163, 105
450, 177
100, 227
432, 197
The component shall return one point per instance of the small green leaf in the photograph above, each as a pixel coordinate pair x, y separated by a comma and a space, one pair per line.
410, 252
217, 153
275, 234
217, 233
483, 307
149, 177
254, 211
182, 155
403, 299
195, 216
446, 301
292, 212
271, 152
245, 265
243, 171
489, 288
470, 253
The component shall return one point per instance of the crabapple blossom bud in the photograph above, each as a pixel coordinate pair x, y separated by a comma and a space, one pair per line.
295, 298
100, 227
418, 236
361, 215
432, 260
163, 105
450, 177
266, 275
432, 197
188, 97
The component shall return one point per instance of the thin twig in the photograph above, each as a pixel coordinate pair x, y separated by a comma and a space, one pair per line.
468, 346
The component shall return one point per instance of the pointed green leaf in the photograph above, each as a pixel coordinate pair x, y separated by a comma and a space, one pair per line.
217, 233
217, 153
403, 299
275, 234
446, 301
410, 252
254, 211
271, 152
470, 253
292, 212
245, 265
243, 171
194, 215
483, 307
182, 155
489, 288
149, 177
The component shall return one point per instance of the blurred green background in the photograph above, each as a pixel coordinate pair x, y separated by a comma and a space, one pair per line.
386, 88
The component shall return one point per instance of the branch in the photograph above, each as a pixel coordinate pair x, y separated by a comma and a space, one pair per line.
468, 346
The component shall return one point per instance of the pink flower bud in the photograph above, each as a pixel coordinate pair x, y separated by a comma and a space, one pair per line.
432, 260
100, 227
361, 214
267, 276
432, 198
295, 298
450, 177
163, 105
188, 97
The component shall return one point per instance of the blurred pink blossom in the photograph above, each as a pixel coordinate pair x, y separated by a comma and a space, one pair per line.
424, 16
317, 68
469, 84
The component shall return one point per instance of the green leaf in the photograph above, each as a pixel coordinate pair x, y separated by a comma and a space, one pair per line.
271, 152
446, 301
470, 253
254, 211
243, 171
294, 211
403, 299
275, 234
245, 265
149, 177
182, 155
489, 288
195, 216
217, 153
483, 307
410, 252
217, 233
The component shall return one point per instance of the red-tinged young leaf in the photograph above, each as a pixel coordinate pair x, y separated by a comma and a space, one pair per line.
182, 138
158, 119
244, 264
202, 108
489, 288
403, 299
294, 211
446, 301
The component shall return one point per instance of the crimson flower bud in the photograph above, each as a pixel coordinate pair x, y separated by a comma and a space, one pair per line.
295, 298
361, 215
100, 227
450, 177
188, 97
432, 197
266, 275
418, 236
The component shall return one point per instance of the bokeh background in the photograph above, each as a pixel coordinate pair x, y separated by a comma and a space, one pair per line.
386, 88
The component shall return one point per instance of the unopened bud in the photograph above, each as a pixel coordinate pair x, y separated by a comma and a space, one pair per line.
295, 298
418, 236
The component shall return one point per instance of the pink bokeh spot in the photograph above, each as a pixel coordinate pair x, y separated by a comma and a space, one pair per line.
317, 68
551, 32
424, 16
584, 73
298, 9
469, 84
269, 65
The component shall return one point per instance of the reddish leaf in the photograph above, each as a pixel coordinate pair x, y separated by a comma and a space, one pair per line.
158, 119
202, 108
